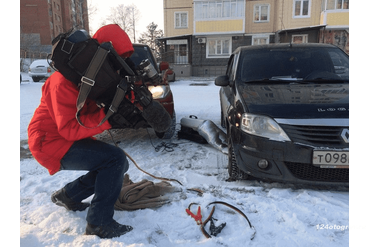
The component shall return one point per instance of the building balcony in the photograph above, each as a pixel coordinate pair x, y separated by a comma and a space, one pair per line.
335, 18
219, 26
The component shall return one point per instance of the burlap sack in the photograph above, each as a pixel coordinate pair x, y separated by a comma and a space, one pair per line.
144, 194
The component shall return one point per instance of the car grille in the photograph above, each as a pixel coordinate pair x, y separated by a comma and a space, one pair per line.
322, 136
313, 173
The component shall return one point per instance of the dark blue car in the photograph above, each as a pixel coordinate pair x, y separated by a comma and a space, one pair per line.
286, 111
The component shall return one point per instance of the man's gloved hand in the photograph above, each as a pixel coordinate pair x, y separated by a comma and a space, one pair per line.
157, 117
143, 95
153, 113
127, 116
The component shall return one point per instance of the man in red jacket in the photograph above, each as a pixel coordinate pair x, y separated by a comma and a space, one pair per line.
59, 142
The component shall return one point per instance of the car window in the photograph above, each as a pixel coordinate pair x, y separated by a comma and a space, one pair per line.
41, 62
293, 64
230, 66
341, 64
234, 67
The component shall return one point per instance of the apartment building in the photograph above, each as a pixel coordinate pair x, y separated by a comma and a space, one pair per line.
42, 20
335, 17
200, 35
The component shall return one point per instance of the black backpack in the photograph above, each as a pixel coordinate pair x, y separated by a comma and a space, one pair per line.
93, 68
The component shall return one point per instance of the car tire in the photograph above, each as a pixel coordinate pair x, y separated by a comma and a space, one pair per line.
234, 172
223, 125
35, 79
174, 77
171, 131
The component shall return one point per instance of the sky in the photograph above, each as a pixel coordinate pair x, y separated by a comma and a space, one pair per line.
151, 11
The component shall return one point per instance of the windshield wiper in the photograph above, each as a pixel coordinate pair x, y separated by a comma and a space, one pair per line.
324, 80
285, 78
289, 79
276, 79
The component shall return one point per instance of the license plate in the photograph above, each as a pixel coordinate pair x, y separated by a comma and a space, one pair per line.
39, 70
331, 159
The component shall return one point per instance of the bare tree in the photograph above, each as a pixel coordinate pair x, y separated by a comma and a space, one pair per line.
125, 17
150, 38
92, 10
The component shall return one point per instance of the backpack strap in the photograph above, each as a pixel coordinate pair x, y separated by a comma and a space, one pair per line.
117, 99
88, 81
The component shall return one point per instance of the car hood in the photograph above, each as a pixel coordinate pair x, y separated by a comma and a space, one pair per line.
296, 100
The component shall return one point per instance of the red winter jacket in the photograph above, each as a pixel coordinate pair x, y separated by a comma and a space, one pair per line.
54, 128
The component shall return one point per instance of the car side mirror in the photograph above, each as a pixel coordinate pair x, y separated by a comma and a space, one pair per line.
222, 81
164, 66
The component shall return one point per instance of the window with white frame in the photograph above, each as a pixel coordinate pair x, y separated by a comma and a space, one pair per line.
181, 19
337, 4
260, 40
219, 9
261, 13
301, 8
218, 47
299, 39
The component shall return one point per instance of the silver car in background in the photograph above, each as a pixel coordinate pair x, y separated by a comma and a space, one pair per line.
40, 69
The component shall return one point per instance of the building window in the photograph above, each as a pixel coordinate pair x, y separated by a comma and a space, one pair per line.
299, 39
260, 40
261, 13
302, 8
181, 20
218, 48
181, 54
337, 4
225, 9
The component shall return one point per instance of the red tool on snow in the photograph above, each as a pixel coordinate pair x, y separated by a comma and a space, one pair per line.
197, 217
215, 230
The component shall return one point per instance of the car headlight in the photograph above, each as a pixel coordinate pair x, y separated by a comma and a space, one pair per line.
159, 92
262, 126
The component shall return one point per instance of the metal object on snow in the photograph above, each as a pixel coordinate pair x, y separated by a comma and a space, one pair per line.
209, 131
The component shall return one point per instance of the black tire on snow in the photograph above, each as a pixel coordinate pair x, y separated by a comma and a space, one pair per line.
171, 131
234, 172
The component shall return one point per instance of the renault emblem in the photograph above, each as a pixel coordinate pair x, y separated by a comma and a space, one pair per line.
345, 135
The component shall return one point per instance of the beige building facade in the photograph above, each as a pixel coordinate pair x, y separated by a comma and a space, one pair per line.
200, 35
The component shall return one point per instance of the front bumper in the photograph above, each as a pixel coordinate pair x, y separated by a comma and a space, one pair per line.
40, 74
288, 162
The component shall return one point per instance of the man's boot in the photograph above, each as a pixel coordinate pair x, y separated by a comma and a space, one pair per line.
111, 230
60, 198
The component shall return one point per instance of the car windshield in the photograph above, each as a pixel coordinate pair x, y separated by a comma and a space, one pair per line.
294, 64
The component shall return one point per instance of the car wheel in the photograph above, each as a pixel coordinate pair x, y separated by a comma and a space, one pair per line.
171, 131
174, 77
36, 79
234, 172
223, 125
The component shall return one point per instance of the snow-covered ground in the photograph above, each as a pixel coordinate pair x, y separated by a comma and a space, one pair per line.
282, 215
